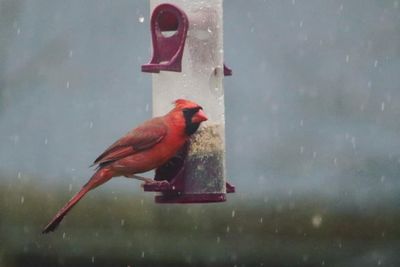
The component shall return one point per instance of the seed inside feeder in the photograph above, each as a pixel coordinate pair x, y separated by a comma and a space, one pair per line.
204, 165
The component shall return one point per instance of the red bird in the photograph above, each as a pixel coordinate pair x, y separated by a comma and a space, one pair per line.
148, 146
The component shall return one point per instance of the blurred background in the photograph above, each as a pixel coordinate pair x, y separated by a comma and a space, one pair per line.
312, 128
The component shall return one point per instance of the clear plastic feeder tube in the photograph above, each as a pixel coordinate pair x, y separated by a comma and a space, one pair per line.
201, 80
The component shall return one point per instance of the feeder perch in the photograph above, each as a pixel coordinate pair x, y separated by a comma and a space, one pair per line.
187, 62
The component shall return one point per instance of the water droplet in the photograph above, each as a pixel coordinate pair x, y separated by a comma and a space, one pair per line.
70, 187
64, 235
233, 213
261, 220
335, 161
383, 178
70, 53
92, 259
122, 222
228, 229
147, 107
141, 19
396, 4
293, 2
314, 154
347, 58
316, 220
301, 24
142, 254
341, 7
91, 125
218, 239
209, 30
369, 84
301, 123
19, 175
18, 31
353, 142
301, 149
22, 199
67, 85
46, 141
376, 63
383, 106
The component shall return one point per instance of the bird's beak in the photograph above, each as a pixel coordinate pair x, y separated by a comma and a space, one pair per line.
199, 117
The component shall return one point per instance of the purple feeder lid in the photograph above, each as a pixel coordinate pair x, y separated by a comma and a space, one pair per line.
167, 19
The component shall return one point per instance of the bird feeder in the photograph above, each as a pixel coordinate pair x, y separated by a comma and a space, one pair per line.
187, 62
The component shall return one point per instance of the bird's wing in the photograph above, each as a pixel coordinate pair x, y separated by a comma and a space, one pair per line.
141, 138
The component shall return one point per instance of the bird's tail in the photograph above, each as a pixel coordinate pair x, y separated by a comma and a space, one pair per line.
100, 177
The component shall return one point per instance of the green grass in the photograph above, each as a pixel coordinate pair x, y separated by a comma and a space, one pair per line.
107, 229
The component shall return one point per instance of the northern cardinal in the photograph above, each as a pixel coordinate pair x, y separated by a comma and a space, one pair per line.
146, 147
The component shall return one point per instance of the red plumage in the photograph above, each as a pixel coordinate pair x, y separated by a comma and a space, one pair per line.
144, 148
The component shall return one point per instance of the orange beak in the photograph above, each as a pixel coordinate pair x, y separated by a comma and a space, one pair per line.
199, 117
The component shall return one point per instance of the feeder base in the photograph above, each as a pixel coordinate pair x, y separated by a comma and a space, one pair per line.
190, 198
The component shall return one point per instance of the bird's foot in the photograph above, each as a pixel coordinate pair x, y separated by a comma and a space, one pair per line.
141, 178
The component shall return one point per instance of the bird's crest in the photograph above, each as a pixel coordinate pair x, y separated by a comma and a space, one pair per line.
183, 103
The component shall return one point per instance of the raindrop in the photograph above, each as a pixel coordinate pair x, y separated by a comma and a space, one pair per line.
383, 179
64, 235
301, 123
70, 53
70, 187
141, 20
316, 220
19, 175
122, 222
396, 4
147, 107
301, 24
341, 7
301, 149
67, 85
228, 229
376, 63
218, 239
261, 220
383, 106
18, 31
314, 154
142, 254
347, 58
92, 259
335, 161
46, 141
22, 200
369, 84
293, 2
233, 213
353, 142
91, 125
209, 30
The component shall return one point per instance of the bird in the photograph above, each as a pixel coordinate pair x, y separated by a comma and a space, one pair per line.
146, 147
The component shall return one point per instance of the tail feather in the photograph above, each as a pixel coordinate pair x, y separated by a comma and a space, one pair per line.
97, 179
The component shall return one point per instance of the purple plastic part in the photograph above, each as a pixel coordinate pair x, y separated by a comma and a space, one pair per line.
227, 71
167, 50
169, 180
